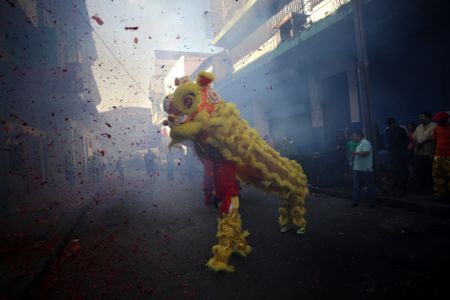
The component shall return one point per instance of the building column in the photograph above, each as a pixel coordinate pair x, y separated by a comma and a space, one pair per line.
260, 110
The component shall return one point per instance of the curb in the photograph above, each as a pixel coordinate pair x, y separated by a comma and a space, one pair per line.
45, 264
437, 209
38, 278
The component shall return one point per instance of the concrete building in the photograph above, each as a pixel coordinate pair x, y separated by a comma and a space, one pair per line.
48, 92
295, 65
294, 70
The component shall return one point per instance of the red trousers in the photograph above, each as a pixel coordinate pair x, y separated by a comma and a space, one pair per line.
223, 172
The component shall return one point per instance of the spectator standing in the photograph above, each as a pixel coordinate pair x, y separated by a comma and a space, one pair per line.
95, 167
120, 169
190, 161
363, 170
424, 150
379, 139
150, 162
441, 161
288, 146
397, 141
170, 164
70, 170
411, 127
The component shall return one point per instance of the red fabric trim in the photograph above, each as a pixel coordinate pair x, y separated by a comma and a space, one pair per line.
225, 183
204, 81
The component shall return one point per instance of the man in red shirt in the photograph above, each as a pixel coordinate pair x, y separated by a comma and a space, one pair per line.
441, 162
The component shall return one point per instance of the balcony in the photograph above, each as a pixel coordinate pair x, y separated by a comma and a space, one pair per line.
246, 20
313, 3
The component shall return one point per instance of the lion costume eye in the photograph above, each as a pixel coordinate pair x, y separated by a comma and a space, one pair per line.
188, 100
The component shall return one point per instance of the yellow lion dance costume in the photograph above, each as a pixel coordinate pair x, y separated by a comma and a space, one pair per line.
197, 113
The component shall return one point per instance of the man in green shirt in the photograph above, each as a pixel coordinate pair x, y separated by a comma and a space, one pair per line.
351, 147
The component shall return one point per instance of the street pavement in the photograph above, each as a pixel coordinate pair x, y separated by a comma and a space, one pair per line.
150, 239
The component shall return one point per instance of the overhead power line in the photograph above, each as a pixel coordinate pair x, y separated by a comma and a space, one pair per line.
114, 55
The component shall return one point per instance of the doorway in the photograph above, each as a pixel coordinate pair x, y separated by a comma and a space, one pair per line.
334, 96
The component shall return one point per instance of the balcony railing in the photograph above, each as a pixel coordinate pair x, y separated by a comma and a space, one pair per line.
295, 6
313, 3
289, 21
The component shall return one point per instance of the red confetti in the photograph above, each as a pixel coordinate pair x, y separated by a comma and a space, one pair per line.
102, 152
136, 40
75, 246
97, 19
132, 28
147, 290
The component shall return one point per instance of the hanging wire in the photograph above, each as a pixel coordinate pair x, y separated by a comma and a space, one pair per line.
114, 56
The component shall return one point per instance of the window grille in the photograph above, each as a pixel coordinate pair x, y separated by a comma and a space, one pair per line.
313, 3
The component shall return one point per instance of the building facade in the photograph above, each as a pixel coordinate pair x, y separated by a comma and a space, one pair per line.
295, 65
294, 69
48, 92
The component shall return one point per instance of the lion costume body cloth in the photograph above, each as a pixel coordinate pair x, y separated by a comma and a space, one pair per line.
197, 113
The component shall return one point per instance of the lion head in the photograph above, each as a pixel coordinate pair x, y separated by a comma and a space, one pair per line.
190, 106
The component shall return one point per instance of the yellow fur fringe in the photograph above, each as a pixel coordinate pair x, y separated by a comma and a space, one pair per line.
236, 141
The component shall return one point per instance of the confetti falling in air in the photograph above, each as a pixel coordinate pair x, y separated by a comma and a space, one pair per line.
136, 40
106, 135
109, 125
97, 19
132, 28
102, 152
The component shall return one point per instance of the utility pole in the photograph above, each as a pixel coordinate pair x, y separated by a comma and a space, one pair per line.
363, 80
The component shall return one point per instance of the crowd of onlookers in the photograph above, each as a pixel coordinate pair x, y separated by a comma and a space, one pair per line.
410, 157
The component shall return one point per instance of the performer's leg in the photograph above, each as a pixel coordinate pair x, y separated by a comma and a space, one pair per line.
439, 177
298, 213
284, 218
224, 247
240, 243
229, 232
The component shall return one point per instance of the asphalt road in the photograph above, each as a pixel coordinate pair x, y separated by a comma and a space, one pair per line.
151, 240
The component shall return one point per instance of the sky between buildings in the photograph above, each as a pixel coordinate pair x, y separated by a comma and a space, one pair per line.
167, 25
